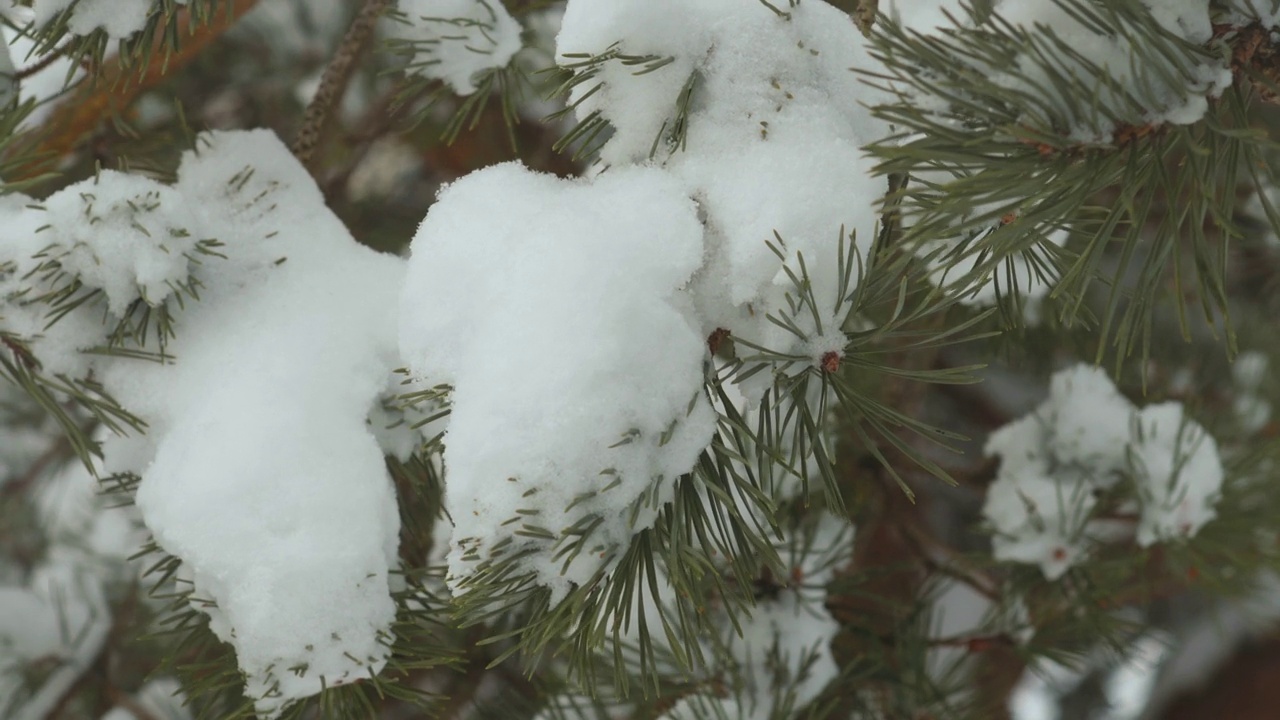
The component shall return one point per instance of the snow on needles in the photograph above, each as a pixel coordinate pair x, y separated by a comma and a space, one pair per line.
776, 121
1061, 465
118, 18
258, 467
266, 480
518, 282
454, 40
1136, 84
120, 237
551, 306
1138, 75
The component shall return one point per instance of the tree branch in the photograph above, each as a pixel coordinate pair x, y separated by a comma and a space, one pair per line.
118, 85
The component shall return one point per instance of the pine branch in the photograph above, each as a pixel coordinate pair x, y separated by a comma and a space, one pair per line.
48, 59
117, 84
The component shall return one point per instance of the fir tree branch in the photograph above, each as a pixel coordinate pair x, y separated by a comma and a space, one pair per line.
333, 83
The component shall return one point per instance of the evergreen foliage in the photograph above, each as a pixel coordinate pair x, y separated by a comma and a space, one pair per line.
880, 518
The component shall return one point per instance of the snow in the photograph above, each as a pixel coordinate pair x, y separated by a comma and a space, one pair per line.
1084, 440
784, 651
517, 287
777, 659
1038, 520
62, 614
86, 528
124, 234
454, 40
1030, 274
1090, 421
1131, 92
774, 122
118, 18
57, 346
1265, 12
259, 469
1161, 93
284, 517
45, 85
927, 16
1178, 472
1249, 373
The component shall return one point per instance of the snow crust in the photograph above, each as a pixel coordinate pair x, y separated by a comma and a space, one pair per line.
454, 40
1086, 439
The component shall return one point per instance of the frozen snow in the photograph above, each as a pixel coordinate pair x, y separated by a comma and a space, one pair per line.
1086, 439
454, 40
519, 285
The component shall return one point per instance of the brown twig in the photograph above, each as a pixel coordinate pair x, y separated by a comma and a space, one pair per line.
59, 449
944, 559
333, 83
45, 61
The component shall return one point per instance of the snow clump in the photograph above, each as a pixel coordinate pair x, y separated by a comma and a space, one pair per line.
113, 238
758, 117
518, 289
284, 518
454, 40
118, 18
1080, 449
1176, 89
